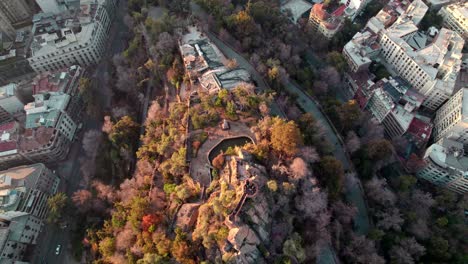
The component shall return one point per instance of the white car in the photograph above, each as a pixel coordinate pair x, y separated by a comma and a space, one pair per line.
57, 249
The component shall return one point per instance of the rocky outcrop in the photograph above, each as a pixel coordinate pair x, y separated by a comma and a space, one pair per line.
244, 240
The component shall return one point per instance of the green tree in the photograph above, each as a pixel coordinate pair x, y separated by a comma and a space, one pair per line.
349, 114
286, 137
230, 109
337, 60
88, 95
332, 175
125, 133
56, 205
107, 247
293, 248
379, 149
406, 182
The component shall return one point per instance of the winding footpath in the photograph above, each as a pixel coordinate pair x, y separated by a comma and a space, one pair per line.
354, 192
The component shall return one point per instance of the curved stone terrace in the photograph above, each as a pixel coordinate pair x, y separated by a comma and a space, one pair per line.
200, 165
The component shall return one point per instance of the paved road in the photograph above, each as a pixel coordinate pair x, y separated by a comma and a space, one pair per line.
354, 193
69, 170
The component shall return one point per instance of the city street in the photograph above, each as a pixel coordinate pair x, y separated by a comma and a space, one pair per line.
69, 170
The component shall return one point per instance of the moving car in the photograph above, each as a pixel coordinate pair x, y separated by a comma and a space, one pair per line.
57, 249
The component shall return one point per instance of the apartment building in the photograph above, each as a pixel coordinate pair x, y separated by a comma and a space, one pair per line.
395, 106
10, 104
7, 30
15, 11
361, 51
27, 189
451, 120
13, 62
9, 151
73, 37
446, 165
327, 20
456, 17
18, 233
51, 120
430, 66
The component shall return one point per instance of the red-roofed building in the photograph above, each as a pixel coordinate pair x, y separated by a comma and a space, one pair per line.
65, 80
325, 22
420, 131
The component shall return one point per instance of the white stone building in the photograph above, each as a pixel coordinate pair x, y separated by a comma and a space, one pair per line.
446, 165
430, 66
451, 120
456, 17
73, 37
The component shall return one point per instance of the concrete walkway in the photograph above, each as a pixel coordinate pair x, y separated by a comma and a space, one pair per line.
199, 166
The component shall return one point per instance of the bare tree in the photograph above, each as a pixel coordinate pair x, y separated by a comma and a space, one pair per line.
421, 203
312, 200
362, 250
353, 143
407, 251
377, 191
330, 75
373, 130
104, 192
125, 238
390, 219
343, 212
107, 125
299, 169
309, 154
82, 200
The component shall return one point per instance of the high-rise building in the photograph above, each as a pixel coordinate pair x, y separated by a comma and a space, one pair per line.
51, 121
451, 120
27, 189
10, 104
446, 165
327, 20
71, 37
432, 69
15, 11
456, 17
7, 31
18, 232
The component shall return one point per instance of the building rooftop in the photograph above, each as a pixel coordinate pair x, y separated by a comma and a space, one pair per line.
204, 62
7, 90
460, 8
57, 81
414, 12
297, 8
448, 154
421, 128
71, 27
35, 138
45, 110
8, 138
